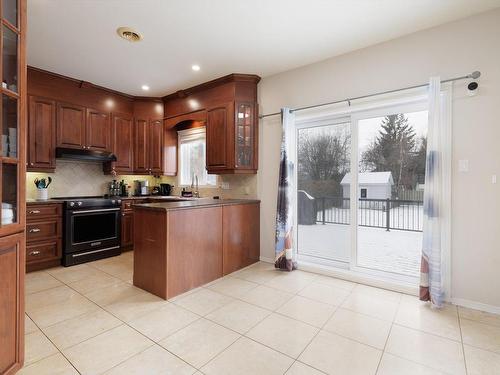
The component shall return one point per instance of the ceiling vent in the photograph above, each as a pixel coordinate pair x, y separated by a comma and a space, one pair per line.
129, 34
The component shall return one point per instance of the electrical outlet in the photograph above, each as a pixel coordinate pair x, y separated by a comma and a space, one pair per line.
463, 165
224, 185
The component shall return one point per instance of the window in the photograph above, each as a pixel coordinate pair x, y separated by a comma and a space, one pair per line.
192, 150
363, 193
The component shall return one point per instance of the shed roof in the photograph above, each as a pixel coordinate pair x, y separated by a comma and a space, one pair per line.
370, 178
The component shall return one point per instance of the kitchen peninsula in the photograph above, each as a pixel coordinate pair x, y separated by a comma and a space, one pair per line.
182, 245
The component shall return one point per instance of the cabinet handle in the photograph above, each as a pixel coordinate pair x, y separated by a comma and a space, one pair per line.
34, 212
34, 252
34, 230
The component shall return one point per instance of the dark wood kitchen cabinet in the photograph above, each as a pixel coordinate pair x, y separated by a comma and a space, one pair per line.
12, 184
41, 134
230, 105
12, 303
127, 230
82, 128
98, 130
241, 234
43, 235
71, 121
122, 144
148, 146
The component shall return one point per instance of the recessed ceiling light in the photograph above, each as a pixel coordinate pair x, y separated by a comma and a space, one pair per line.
195, 67
145, 87
129, 34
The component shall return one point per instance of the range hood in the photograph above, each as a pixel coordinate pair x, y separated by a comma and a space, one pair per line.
81, 154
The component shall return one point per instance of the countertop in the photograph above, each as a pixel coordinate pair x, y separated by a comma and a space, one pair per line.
47, 201
194, 203
146, 197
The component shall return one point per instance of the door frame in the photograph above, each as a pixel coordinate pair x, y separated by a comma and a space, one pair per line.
352, 114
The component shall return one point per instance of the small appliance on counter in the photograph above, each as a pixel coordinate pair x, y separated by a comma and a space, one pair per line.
141, 187
155, 190
165, 189
114, 188
186, 193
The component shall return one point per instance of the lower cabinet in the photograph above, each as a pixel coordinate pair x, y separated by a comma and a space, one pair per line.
127, 229
241, 234
43, 236
178, 250
12, 260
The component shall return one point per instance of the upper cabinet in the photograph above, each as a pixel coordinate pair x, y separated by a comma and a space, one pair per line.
148, 137
80, 127
41, 134
71, 122
229, 107
122, 143
98, 130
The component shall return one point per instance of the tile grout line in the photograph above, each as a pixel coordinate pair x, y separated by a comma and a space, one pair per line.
462, 341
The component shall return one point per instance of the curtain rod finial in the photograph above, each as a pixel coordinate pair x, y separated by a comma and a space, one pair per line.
475, 74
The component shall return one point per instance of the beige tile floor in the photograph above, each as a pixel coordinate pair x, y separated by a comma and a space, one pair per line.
90, 319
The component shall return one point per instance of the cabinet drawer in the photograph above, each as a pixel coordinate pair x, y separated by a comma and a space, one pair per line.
49, 228
37, 211
43, 251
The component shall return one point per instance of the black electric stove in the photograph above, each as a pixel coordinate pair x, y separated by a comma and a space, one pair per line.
91, 228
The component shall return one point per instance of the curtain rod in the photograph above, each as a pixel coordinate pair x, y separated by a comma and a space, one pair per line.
474, 75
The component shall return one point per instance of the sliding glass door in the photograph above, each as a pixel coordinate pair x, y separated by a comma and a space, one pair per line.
323, 210
360, 184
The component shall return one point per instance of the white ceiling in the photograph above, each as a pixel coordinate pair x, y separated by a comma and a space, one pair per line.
77, 38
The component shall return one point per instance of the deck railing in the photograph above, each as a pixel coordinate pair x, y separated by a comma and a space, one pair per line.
378, 213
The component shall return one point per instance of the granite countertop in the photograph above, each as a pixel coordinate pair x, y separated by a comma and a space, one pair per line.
195, 203
157, 197
47, 201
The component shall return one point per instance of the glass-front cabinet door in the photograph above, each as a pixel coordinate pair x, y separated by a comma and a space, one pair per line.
12, 146
245, 135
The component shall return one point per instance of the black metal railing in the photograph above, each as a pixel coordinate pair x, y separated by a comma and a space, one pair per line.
378, 213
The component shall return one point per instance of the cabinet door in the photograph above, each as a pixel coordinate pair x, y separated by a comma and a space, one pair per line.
41, 134
245, 136
70, 125
155, 146
141, 154
123, 142
12, 259
98, 131
219, 135
127, 235
241, 236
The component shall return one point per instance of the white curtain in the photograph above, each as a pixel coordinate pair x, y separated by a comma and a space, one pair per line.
284, 250
437, 193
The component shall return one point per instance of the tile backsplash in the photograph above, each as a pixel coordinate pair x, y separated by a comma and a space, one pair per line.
87, 178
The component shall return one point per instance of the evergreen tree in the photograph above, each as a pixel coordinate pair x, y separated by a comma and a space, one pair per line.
394, 150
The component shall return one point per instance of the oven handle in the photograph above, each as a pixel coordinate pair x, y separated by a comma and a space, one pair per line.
99, 210
94, 251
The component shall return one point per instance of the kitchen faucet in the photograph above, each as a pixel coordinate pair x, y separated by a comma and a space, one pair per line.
194, 186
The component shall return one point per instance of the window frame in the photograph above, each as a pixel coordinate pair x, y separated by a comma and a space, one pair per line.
184, 136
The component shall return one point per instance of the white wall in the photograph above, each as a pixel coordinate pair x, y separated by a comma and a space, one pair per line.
450, 50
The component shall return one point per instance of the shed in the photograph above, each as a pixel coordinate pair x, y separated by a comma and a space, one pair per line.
371, 185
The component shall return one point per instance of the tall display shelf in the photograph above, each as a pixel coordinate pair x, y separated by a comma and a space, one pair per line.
13, 117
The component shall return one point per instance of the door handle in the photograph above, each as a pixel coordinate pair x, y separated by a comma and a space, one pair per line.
34, 212
34, 230
34, 252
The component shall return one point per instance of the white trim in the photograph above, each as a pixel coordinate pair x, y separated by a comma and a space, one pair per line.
266, 259
475, 305
358, 277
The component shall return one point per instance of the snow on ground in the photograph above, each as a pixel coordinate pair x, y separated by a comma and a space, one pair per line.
394, 251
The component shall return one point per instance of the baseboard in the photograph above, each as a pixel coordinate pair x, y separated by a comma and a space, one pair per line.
475, 305
267, 260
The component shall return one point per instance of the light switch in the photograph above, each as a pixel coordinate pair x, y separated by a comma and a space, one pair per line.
463, 165
493, 178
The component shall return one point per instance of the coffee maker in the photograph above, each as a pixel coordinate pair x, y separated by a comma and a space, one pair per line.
165, 189
141, 187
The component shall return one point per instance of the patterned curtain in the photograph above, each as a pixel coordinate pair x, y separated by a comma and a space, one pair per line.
284, 250
436, 193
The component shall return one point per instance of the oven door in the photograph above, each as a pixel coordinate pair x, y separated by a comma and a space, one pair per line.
92, 229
